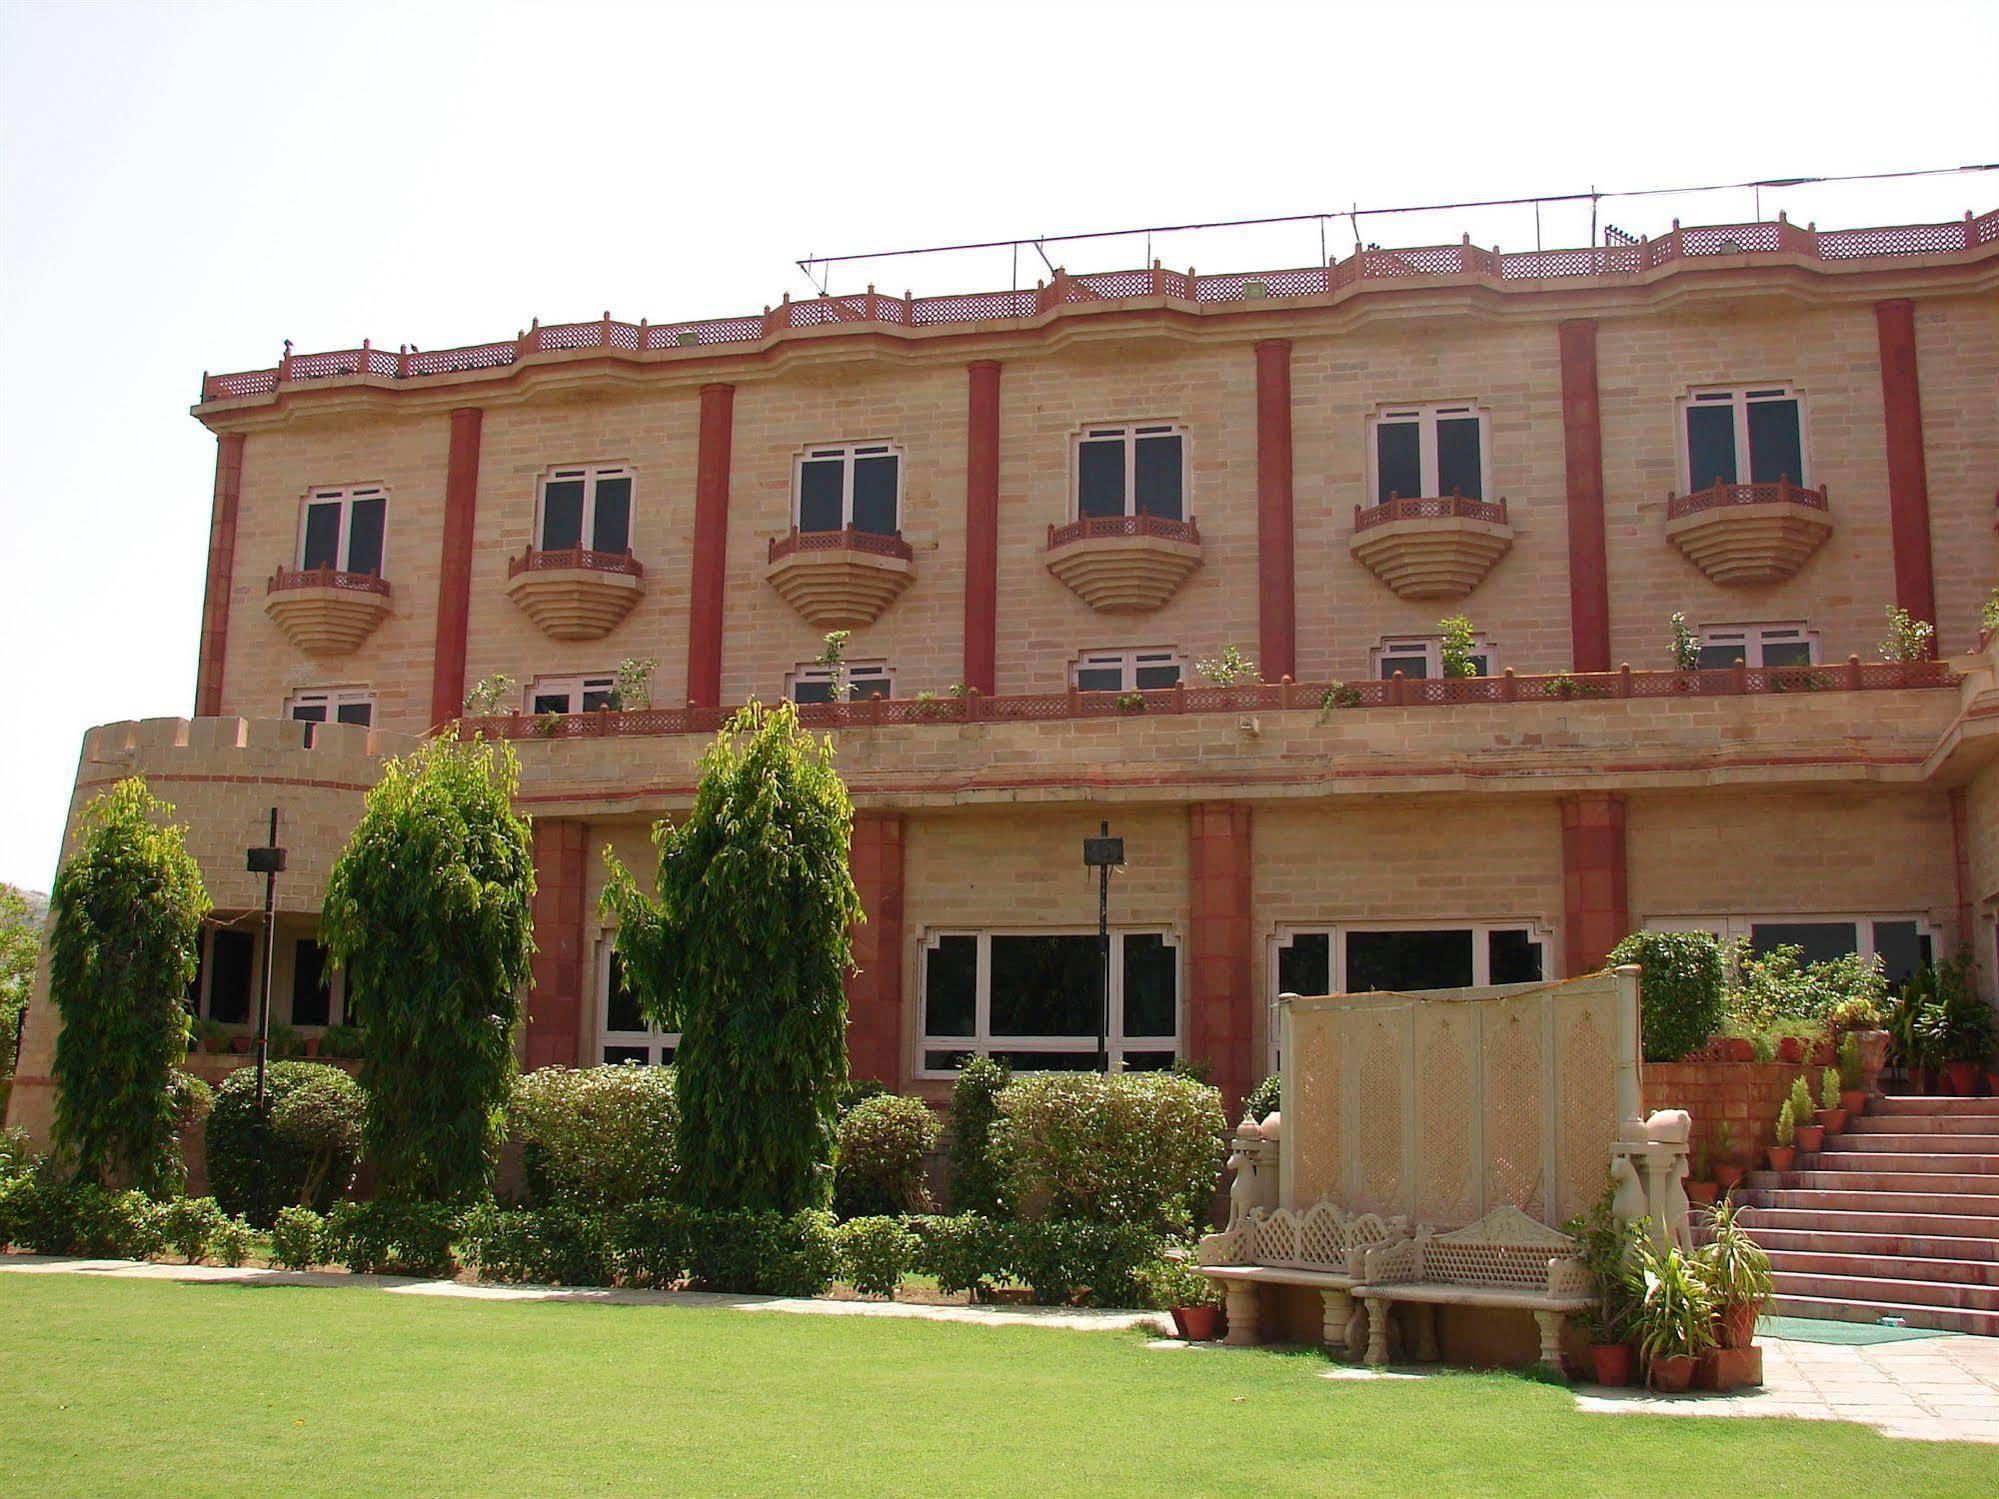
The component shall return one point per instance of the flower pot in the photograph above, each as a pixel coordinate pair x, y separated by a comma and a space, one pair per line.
1854, 1101
1923, 1078
1611, 1363
1822, 1053
312, 1046
1672, 1375
1738, 1049
1811, 1138
242, 1045
1725, 1369
1790, 1049
1832, 1121
1783, 1157
1701, 1195
1728, 1176
1962, 1078
1198, 1324
1737, 1324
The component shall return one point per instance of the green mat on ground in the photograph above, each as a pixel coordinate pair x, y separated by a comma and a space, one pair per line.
1851, 1334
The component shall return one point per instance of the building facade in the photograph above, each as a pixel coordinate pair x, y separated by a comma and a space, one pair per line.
1037, 514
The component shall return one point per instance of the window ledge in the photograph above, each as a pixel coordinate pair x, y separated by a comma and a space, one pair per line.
839, 580
1440, 548
1124, 564
325, 612
575, 594
1749, 533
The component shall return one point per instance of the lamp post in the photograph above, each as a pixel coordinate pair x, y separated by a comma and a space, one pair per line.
269, 861
1103, 853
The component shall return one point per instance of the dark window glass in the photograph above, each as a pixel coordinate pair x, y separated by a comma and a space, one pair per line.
950, 987
232, 957
312, 1000
1149, 678
1458, 467
1151, 985
1099, 678
1305, 964
1901, 949
667, 1054
811, 690
1398, 449
944, 1061
595, 698
1720, 657
1049, 1061
1149, 1061
322, 536
859, 689
551, 702
874, 495
1787, 653
819, 494
1413, 667
1046, 985
562, 515
625, 1054
1100, 478
360, 713
364, 536
1710, 445
1157, 476
1408, 960
309, 712
1513, 957
621, 1006
1821, 940
611, 528
1775, 450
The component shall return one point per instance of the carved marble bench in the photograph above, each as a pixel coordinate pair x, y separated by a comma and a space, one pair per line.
1322, 1249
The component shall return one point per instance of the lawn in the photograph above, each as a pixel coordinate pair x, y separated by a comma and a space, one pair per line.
125, 1386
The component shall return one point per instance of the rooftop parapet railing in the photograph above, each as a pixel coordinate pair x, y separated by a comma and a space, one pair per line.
1778, 240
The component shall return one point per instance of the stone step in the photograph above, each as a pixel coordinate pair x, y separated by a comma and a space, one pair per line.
1816, 1178
1791, 1265
1963, 1205
1803, 1218
1893, 1289
1941, 1318
1906, 1106
1840, 1155
1885, 1245
1937, 1142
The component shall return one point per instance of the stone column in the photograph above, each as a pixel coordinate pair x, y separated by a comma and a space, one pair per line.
557, 1013
1276, 572
1595, 904
454, 573
221, 574
982, 528
1908, 478
874, 992
711, 544
1582, 455
1220, 992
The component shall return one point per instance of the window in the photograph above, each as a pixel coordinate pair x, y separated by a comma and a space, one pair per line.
224, 975
1036, 998
1125, 671
571, 694
594, 502
317, 995
332, 705
865, 679
1725, 425
1902, 943
852, 485
1757, 645
1431, 451
623, 1033
342, 529
1421, 656
1131, 470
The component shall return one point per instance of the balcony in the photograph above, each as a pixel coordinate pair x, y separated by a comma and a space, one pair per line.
1431, 548
1124, 564
575, 594
325, 612
839, 580
1749, 533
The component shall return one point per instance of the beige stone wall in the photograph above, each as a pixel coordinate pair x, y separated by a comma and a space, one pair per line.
1957, 352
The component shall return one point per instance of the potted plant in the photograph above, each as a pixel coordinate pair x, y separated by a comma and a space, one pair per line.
242, 1042
1738, 1042
340, 1041
1830, 1115
211, 1035
1700, 1183
1784, 1153
1804, 1117
1736, 1271
1674, 1318
1173, 1285
1610, 1253
1728, 1171
1852, 1093
1958, 1028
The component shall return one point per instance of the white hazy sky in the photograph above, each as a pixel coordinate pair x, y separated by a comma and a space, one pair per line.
184, 186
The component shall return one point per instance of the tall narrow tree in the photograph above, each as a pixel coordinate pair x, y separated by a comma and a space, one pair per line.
746, 953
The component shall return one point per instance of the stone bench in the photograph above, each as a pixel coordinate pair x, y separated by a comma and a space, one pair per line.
1322, 1249
1505, 1260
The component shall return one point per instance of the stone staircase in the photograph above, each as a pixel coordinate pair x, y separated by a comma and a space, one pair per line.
1896, 1217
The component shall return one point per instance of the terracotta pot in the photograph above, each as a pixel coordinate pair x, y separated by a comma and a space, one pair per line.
1832, 1121
243, 1045
1673, 1375
1963, 1078
1783, 1157
1923, 1079
1790, 1049
1198, 1324
1728, 1176
1701, 1195
1854, 1101
312, 1046
1738, 1049
1811, 1138
1822, 1053
1725, 1369
1611, 1363
1737, 1324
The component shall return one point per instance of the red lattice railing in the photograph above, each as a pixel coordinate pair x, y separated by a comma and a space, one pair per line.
848, 540
577, 559
1376, 267
1098, 527
1448, 507
326, 577
1718, 495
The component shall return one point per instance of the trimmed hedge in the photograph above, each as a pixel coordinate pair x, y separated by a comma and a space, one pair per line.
394, 1238
875, 1254
256, 1166
878, 1167
555, 1246
1680, 992
298, 1239
975, 1177
595, 1137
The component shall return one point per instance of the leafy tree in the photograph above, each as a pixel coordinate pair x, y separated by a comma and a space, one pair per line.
429, 911
1680, 991
1457, 642
746, 953
975, 1178
20, 949
128, 906
302, 1149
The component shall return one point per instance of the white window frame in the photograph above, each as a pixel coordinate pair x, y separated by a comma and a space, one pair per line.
1752, 638
1432, 651
344, 495
857, 672
1741, 397
1423, 415
1129, 433
983, 1043
655, 1042
591, 474
1127, 662
1733, 927
333, 699
574, 687
847, 453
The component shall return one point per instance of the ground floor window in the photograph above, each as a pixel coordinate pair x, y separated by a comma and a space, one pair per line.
1035, 1000
318, 992
1902, 943
623, 1032
225, 974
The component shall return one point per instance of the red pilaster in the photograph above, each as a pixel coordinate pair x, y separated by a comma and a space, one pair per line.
1582, 455
454, 580
1276, 572
221, 574
1596, 913
1221, 1009
982, 527
874, 992
1908, 477
711, 546
555, 1003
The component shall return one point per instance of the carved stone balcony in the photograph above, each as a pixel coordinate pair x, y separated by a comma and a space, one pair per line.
1749, 533
575, 594
1124, 564
324, 612
839, 580
1431, 548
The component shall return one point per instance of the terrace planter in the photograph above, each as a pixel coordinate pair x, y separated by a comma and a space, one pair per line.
1198, 1324
1811, 1138
1725, 1369
1728, 1176
1854, 1101
1702, 1194
1790, 1049
1962, 1079
1832, 1121
1783, 1157
1673, 1374
1611, 1363
1738, 1049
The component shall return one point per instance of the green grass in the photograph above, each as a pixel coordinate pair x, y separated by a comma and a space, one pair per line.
113, 1386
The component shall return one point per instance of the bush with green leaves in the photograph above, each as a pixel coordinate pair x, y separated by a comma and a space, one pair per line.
304, 1150
393, 1237
859, 1090
1174, 1282
1680, 991
298, 1239
125, 929
50, 1215
596, 1137
234, 1241
965, 1252
1140, 1148
556, 1246
429, 910
875, 1254
189, 1226
1265, 1099
20, 949
1909, 639
975, 1181
1769, 989
746, 953
1068, 1262
1457, 641
883, 1144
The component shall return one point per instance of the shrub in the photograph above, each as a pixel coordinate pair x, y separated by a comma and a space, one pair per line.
649, 1243
1066, 1261
304, 1154
298, 1238
233, 1242
1457, 640
975, 1182
82, 1217
1139, 1148
966, 1252
1679, 992
20, 949
1168, 1283
17, 1156
875, 1254
190, 1226
125, 926
596, 1137
1779, 986
1265, 1099
392, 1237
557, 1246
764, 1253
1909, 639
859, 1090
883, 1143
1802, 1107
428, 910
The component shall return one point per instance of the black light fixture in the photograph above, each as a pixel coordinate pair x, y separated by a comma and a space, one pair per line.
1103, 854
269, 861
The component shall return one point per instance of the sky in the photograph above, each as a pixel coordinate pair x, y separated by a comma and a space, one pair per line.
184, 186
